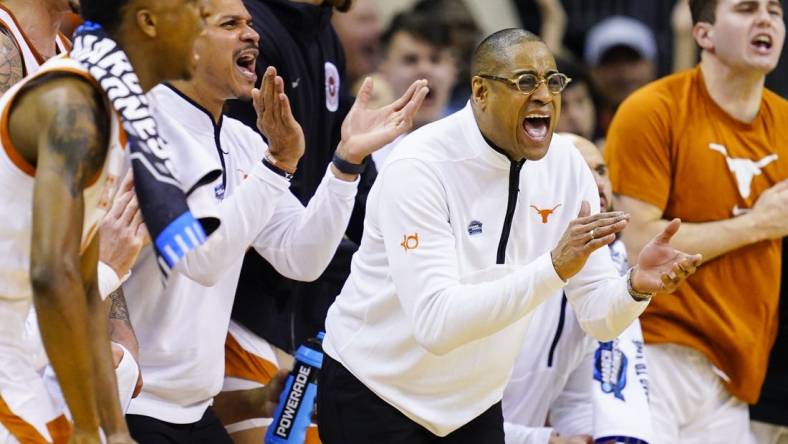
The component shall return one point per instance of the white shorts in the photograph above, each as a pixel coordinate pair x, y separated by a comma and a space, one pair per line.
764, 433
32, 406
28, 412
689, 403
251, 362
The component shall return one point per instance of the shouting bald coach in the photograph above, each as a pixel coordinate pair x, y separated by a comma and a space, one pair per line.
475, 220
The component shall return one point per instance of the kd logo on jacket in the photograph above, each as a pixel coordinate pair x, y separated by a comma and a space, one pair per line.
410, 241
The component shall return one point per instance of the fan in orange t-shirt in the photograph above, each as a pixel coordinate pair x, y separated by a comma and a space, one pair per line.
710, 146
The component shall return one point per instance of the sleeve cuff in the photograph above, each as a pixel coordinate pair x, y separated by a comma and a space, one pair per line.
546, 270
263, 173
626, 302
108, 280
340, 187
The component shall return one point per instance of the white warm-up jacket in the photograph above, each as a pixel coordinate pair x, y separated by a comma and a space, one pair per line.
182, 326
454, 259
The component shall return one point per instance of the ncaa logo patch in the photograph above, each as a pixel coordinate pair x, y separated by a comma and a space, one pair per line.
332, 87
474, 228
610, 368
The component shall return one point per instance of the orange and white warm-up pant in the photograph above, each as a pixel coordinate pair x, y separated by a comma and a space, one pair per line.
251, 362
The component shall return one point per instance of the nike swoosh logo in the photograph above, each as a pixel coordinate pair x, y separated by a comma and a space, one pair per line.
296, 83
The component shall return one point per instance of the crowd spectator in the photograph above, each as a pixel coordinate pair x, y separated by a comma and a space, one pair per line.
578, 111
417, 46
359, 31
465, 34
621, 54
692, 146
296, 37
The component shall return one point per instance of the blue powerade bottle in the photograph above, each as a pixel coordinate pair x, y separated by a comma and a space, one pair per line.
294, 412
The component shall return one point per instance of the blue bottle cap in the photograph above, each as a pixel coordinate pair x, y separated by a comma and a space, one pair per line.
309, 356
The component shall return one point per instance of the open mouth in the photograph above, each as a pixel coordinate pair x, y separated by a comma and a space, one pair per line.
603, 201
429, 98
536, 126
245, 61
762, 43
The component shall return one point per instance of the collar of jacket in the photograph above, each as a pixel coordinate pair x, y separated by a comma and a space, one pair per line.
304, 21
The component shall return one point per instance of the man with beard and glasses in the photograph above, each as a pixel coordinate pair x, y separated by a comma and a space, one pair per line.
296, 38
475, 221
708, 145
182, 325
60, 152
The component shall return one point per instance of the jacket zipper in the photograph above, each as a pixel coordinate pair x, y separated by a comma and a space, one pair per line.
511, 205
558, 331
217, 130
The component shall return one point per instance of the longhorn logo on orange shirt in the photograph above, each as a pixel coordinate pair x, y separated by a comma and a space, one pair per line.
410, 242
545, 213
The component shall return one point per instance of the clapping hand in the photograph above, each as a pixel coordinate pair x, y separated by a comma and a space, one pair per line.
275, 120
584, 235
661, 268
365, 130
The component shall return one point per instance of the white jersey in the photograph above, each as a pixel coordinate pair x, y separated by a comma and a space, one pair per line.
17, 177
22, 390
31, 58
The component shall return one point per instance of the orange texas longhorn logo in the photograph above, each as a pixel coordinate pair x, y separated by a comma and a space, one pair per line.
410, 242
545, 213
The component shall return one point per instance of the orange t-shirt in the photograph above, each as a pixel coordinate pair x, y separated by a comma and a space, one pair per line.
670, 145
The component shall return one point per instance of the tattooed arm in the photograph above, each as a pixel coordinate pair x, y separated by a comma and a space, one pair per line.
11, 69
120, 329
61, 126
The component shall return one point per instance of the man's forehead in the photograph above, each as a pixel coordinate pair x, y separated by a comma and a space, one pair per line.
228, 9
737, 2
406, 42
529, 56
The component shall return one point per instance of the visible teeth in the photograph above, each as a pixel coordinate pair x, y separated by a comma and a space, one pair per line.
537, 117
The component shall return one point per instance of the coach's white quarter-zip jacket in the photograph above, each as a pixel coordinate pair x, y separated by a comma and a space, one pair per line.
182, 327
453, 261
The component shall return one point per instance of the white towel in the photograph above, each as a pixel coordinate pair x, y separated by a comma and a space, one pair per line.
620, 394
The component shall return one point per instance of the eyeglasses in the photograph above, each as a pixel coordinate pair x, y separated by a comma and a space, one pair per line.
528, 83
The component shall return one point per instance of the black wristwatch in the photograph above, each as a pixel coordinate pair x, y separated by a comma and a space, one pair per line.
349, 168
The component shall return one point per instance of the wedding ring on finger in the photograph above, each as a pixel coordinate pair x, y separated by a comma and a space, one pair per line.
593, 235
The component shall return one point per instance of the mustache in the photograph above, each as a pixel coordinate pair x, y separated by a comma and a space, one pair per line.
238, 51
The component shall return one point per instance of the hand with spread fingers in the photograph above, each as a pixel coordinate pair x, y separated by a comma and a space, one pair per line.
275, 120
584, 235
660, 267
365, 130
